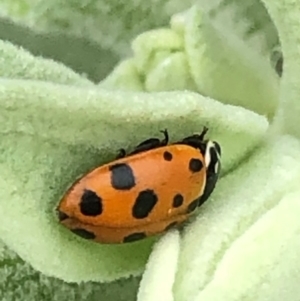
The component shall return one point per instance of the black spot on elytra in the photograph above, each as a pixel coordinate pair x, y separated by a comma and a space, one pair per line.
195, 165
122, 177
84, 233
134, 237
168, 156
192, 206
91, 203
171, 226
62, 216
144, 204
177, 200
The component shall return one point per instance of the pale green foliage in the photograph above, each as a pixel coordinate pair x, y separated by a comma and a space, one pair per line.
187, 69
113, 24
19, 281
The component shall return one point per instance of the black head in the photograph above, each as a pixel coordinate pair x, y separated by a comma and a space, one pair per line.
211, 152
212, 158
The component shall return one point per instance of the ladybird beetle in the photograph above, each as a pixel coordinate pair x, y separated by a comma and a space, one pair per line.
143, 193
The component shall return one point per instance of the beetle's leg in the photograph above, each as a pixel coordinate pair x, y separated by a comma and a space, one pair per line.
166, 138
203, 133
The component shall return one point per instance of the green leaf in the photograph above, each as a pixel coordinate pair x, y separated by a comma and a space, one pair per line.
286, 14
80, 54
165, 254
53, 133
187, 57
235, 75
17, 63
111, 24
245, 240
19, 281
248, 20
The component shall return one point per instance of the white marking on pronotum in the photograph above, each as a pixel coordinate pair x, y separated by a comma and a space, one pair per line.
207, 156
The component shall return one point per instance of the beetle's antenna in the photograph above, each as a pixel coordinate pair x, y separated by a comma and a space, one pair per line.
203, 133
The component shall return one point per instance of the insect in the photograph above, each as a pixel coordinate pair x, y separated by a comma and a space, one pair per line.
155, 187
